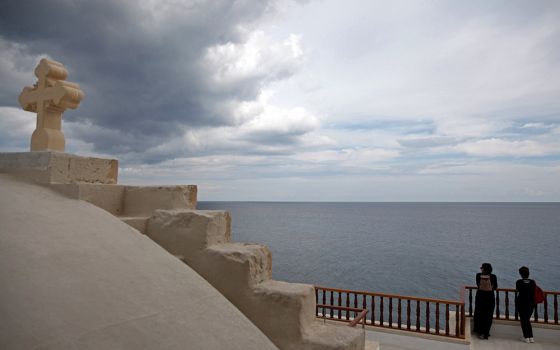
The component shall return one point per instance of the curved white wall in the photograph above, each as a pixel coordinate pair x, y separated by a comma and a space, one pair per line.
74, 276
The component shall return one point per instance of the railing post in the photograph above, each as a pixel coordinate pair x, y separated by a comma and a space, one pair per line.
399, 320
437, 318
324, 299
545, 307
381, 311
470, 302
373, 310
332, 303
390, 312
408, 314
417, 315
347, 305
339, 304
447, 319
497, 304
507, 305
427, 317
463, 320
457, 320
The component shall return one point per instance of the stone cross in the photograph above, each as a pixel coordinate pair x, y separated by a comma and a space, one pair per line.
49, 98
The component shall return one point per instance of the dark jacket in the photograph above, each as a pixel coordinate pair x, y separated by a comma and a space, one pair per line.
525, 293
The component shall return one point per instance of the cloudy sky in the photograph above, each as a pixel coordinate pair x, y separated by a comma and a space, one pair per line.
320, 100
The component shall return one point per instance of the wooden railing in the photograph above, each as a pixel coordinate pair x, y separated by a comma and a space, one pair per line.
506, 308
359, 314
412, 314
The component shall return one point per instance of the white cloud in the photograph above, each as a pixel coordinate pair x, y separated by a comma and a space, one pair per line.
495, 147
349, 157
258, 58
16, 69
17, 122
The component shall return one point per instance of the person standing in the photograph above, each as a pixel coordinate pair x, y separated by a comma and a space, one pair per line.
525, 302
485, 301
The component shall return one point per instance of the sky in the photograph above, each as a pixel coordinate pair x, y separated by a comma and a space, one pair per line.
316, 100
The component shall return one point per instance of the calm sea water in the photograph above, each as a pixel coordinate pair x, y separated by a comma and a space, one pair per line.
421, 249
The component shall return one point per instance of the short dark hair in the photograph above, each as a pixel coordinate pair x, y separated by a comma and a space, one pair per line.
486, 268
524, 271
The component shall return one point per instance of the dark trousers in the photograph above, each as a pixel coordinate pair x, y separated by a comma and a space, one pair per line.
483, 312
525, 318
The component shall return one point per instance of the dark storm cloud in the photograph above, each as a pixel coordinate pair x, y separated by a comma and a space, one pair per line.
139, 64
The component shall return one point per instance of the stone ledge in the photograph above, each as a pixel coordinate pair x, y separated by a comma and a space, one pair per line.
59, 168
143, 200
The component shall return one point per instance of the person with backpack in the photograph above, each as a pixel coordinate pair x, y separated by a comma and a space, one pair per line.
525, 302
485, 301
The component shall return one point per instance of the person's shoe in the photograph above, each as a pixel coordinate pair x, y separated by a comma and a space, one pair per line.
531, 340
482, 337
525, 340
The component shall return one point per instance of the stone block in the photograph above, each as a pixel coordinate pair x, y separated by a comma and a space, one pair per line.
185, 232
107, 197
143, 200
282, 310
233, 267
59, 168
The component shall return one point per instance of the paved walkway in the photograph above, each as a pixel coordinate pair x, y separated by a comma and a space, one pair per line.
498, 343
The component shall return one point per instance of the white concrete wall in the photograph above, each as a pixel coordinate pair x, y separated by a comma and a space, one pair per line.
73, 276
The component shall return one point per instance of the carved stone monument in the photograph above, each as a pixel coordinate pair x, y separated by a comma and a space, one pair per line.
49, 98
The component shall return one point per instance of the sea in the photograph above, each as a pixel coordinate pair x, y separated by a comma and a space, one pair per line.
418, 249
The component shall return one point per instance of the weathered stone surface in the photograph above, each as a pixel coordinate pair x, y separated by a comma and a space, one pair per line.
61, 168
185, 233
285, 312
108, 197
143, 200
276, 305
233, 268
245, 264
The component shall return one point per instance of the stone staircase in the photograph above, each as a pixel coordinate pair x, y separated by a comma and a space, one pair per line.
242, 272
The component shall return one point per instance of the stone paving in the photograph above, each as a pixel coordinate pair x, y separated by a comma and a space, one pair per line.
498, 343
503, 343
